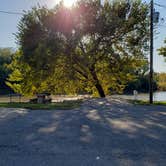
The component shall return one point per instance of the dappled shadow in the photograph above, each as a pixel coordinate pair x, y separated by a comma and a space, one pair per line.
102, 132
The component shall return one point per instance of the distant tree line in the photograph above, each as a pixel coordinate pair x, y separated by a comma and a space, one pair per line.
161, 81
5, 59
141, 81
161, 78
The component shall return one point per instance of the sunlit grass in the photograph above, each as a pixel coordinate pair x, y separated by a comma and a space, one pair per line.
66, 105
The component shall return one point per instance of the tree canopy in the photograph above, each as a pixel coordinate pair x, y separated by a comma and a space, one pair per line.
91, 47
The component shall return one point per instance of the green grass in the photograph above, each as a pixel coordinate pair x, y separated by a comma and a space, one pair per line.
141, 102
66, 105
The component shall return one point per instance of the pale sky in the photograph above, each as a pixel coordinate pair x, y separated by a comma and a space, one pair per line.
8, 25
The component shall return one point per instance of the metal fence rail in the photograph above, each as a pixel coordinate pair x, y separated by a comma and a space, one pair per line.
13, 98
17, 98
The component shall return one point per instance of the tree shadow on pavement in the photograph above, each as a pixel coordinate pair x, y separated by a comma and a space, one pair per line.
102, 132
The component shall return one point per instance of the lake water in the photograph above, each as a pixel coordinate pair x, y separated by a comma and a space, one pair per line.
158, 96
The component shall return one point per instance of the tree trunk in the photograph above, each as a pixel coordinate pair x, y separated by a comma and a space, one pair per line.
100, 89
97, 84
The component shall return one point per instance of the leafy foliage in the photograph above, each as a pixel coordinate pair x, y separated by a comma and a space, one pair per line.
161, 79
5, 59
162, 50
141, 81
91, 47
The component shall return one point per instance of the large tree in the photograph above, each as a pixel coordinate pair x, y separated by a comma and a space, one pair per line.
90, 47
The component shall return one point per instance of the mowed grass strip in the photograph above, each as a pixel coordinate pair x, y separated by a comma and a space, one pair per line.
66, 105
141, 102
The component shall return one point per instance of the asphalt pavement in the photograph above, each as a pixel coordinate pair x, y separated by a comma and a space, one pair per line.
103, 132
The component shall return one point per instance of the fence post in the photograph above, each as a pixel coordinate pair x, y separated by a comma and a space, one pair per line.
10, 97
19, 98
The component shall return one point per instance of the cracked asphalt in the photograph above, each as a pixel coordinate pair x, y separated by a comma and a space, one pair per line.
103, 132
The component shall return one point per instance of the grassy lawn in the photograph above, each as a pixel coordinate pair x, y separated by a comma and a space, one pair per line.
66, 105
141, 102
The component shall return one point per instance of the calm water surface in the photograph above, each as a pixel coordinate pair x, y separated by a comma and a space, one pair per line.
160, 96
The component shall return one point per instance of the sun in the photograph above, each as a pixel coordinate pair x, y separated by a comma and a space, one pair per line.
69, 3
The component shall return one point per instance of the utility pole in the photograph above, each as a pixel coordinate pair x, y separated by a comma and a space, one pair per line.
151, 53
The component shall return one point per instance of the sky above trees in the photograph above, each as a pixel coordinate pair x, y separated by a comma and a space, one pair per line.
9, 25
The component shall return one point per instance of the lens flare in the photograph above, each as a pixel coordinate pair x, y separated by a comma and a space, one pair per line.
69, 3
